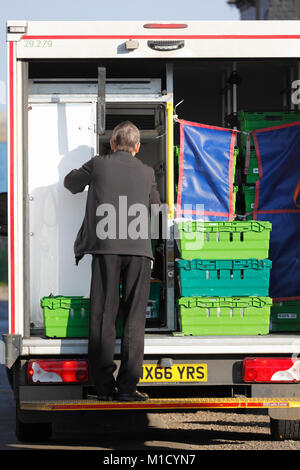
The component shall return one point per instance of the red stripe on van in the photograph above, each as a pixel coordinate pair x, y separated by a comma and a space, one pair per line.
192, 36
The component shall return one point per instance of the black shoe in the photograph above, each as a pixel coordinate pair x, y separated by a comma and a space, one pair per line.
104, 397
100, 397
135, 396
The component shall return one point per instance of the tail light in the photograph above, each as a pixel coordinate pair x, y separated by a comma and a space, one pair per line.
58, 371
264, 369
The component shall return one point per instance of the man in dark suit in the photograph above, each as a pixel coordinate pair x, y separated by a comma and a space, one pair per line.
120, 187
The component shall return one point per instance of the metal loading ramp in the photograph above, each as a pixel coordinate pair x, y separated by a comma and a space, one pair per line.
160, 404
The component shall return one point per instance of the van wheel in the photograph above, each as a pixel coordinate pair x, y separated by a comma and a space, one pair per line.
283, 429
34, 432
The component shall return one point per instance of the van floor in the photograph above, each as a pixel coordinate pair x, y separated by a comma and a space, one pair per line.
170, 344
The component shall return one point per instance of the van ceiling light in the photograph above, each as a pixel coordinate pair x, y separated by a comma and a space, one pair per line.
165, 26
16, 29
165, 45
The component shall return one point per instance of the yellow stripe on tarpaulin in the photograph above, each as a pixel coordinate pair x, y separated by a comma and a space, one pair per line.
162, 404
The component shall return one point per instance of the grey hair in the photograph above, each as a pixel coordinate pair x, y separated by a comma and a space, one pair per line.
125, 136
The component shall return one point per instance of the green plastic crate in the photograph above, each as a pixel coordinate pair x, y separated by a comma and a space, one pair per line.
224, 277
259, 120
223, 240
66, 316
253, 171
250, 121
205, 316
153, 307
285, 316
154, 298
249, 194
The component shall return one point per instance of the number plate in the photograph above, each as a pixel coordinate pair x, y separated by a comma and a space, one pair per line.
175, 373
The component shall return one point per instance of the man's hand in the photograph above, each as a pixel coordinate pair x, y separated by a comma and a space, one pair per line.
76, 180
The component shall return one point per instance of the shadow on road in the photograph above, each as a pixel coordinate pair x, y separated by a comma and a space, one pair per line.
141, 438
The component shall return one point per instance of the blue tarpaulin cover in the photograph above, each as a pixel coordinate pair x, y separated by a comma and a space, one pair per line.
277, 201
3, 167
205, 184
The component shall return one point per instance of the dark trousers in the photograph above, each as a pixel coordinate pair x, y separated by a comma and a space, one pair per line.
107, 271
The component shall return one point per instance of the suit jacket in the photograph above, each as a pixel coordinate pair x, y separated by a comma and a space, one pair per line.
116, 182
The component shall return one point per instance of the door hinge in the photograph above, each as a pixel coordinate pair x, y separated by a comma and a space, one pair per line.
12, 349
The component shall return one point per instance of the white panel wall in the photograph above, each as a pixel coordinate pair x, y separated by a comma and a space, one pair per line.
61, 137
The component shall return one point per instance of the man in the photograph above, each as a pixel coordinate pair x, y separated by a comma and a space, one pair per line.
118, 183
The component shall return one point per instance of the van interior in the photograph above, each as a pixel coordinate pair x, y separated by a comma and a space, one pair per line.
205, 91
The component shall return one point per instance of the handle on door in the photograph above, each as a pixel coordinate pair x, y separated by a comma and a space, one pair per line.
101, 101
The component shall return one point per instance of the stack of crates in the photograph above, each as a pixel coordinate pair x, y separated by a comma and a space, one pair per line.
224, 274
249, 121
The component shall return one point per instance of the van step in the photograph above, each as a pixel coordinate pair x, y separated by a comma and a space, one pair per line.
159, 404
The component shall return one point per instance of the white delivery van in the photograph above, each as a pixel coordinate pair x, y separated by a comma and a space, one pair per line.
69, 84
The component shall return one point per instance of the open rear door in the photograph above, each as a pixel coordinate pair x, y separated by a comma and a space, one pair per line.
61, 137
